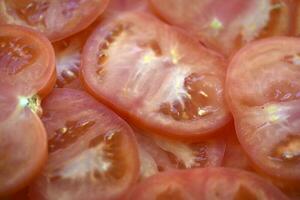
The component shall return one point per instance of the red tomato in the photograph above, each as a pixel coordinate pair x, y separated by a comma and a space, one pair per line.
235, 157
161, 154
27, 61
157, 78
26, 70
92, 152
206, 183
57, 19
263, 90
227, 26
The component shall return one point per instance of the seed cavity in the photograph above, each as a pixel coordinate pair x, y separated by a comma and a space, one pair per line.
192, 103
292, 59
69, 134
288, 149
33, 13
102, 54
101, 162
15, 55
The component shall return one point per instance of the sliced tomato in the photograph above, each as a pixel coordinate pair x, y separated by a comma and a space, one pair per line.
160, 154
227, 27
263, 90
206, 183
23, 145
157, 78
57, 19
27, 61
68, 57
235, 157
92, 152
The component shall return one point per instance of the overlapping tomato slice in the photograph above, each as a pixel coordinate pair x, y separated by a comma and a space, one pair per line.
27, 73
227, 26
158, 78
92, 152
263, 90
159, 154
206, 183
57, 19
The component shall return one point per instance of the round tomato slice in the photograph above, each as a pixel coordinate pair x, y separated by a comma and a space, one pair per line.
157, 78
27, 61
226, 27
92, 152
160, 154
206, 183
263, 90
23, 143
126, 5
57, 19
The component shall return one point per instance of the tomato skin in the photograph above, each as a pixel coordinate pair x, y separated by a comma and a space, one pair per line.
26, 81
57, 19
206, 183
93, 153
263, 108
132, 103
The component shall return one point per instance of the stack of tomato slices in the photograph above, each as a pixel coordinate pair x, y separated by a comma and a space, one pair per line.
149, 99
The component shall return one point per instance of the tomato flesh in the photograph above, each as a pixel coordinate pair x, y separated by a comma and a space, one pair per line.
158, 79
92, 152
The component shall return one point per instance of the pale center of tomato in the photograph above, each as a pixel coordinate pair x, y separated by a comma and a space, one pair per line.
15, 55
185, 154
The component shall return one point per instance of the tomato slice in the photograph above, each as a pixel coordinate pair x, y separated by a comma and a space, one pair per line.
92, 152
226, 27
27, 61
161, 154
206, 183
158, 78
234, 156
23, 144
263, 90
68, 57
57, 19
